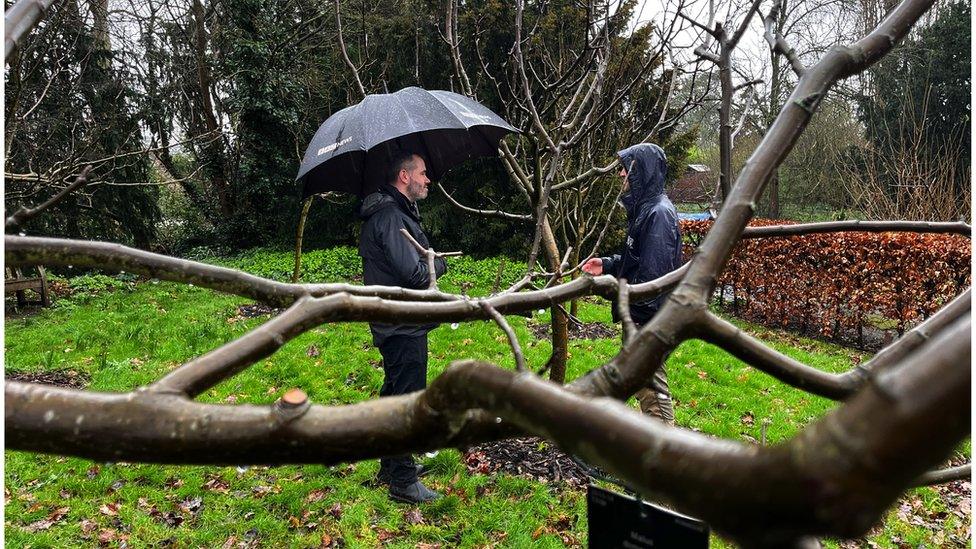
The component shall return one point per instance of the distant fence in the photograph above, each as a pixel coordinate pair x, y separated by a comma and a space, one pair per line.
859, 288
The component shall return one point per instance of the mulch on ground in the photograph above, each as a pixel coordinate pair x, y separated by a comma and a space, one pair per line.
582, 330
257, 309
530, 457
62, 378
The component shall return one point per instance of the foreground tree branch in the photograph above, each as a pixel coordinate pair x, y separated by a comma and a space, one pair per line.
848, 468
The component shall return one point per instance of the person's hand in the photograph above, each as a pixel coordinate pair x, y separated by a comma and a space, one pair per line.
594, 266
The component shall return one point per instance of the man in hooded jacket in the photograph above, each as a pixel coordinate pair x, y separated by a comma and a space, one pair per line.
390, 260
652, 249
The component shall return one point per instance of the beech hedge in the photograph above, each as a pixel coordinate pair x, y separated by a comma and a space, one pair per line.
836, 284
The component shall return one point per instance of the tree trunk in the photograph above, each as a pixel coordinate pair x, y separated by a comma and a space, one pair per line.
725, 126
298, 240
560, 323
212, 150
775, 88
102, 44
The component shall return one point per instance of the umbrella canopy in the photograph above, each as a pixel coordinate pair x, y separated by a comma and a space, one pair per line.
351, 150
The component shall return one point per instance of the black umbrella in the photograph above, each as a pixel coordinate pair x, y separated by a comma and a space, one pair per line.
352, 149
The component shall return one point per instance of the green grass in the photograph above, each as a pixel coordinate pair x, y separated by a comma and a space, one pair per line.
128, 335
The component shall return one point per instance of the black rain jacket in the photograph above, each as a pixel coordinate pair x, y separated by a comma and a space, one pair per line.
653, 246
388, 258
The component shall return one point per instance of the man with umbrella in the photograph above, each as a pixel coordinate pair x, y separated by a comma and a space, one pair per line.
359, 150
389, 259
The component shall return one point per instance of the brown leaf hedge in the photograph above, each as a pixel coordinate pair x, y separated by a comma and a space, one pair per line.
836, 284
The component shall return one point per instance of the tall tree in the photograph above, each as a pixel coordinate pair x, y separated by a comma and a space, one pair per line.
920, 99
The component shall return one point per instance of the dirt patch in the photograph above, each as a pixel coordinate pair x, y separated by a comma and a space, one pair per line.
60, 378
256, 310
530, 457
585, 330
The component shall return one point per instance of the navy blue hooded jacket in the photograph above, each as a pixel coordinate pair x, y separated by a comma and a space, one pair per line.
388, 258
653, 246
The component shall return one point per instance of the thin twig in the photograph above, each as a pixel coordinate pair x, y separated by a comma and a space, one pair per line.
623, 309
512, 340
345, 54
489, 213
23, 214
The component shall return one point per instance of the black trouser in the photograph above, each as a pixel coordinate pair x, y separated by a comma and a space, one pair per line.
405, 369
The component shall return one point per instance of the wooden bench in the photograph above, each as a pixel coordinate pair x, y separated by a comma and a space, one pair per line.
15, 282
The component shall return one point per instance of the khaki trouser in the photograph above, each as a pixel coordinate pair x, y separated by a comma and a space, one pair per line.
655, 399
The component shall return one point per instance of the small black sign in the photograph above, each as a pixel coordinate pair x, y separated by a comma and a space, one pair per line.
617, 520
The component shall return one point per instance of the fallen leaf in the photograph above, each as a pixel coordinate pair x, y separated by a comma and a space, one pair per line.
231, 541
312, 351
413, 516
170, 518
58, 513
65, 494
326, 540
315, 495
538, 532
110, 509
382, 534
87, 526
423, 545
748, 419
191, 506
293, 522
336, 511
216, 484
53, 518
93, 471
106, 536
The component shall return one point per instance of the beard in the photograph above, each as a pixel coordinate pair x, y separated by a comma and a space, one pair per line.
417, 191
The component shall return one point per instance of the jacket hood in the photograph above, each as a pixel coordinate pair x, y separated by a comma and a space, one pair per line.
385, 197
646, 167
374, 203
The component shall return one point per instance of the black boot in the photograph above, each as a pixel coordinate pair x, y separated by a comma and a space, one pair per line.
413, 493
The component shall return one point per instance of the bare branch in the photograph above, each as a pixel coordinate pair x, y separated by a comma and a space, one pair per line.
751, 351
489, 213
701, 26
734, 40
345, 54
778, 44
512, 340
520, 64
955, 227
19, 20
592, 172
623, 308
23, 214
